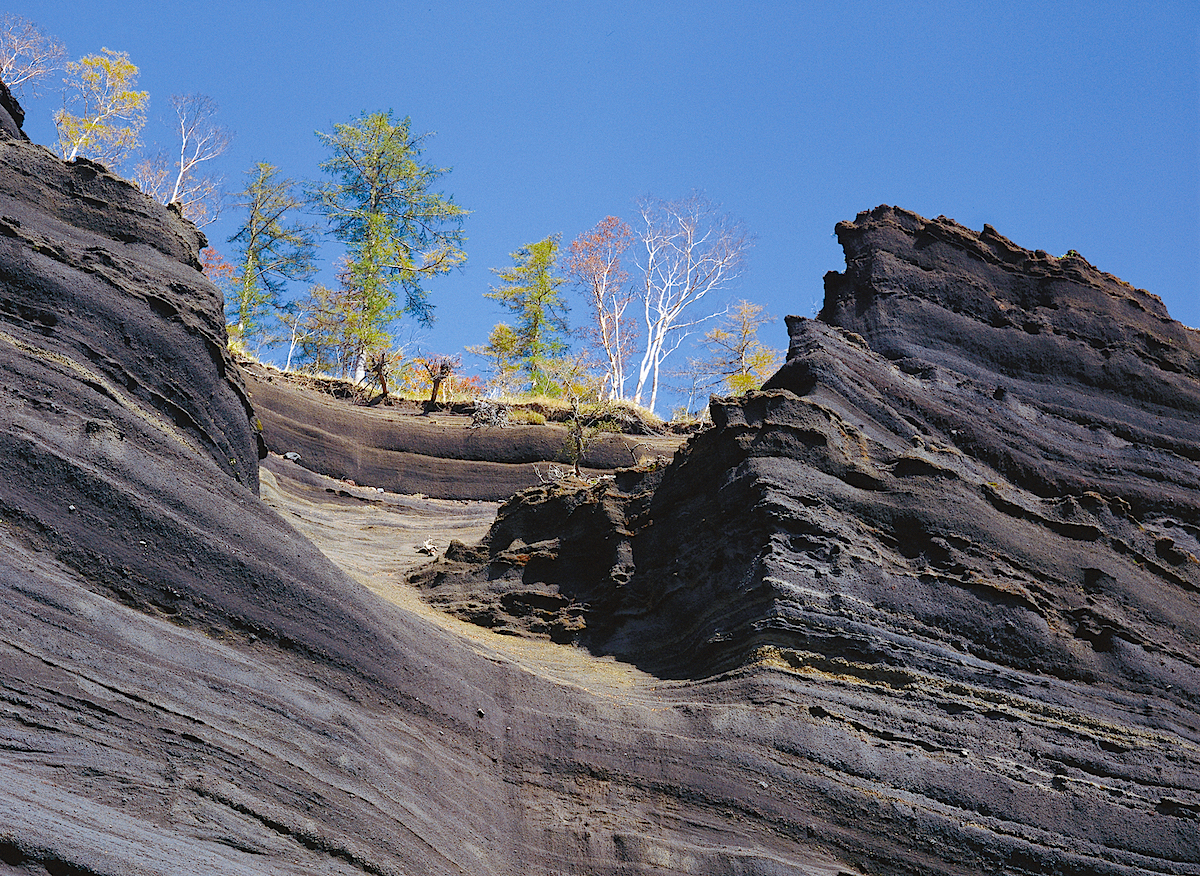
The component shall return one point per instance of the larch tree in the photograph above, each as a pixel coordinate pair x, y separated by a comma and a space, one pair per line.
398, 231
689, 250
27, 54
737, 360
271, 247
502, 351
326, 328
531, 291
594, 263
102, 114
201, 140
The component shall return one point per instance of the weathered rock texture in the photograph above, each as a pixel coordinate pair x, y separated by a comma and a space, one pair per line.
402, 450
961, 520
934, 661
189, 686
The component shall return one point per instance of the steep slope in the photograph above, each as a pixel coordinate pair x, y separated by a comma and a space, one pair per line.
189, 686
962, 522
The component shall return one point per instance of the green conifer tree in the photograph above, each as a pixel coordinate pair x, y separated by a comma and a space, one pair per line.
530, 290
398, 231
271, 249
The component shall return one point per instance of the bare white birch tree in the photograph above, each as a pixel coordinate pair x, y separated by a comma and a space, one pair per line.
200, 140
689, 251
27, 55
594, 263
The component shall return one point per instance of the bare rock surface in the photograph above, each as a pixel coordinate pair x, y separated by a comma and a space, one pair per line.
405, 449
962, 522
816, 646
188, 685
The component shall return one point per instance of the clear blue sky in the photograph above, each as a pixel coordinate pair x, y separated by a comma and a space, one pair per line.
1064, 125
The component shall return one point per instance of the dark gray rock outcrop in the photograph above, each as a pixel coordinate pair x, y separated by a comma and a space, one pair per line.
102, 284
962, 522
189, 686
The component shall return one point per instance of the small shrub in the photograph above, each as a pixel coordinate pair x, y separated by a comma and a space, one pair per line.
526, 417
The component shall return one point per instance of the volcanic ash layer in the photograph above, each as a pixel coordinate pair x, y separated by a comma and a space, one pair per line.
902, 622
961, 519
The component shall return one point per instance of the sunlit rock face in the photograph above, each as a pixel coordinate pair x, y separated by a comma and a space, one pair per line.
895, 620
995, 448
187, 685
961, 521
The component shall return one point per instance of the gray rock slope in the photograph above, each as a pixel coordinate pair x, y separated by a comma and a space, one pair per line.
961, 519
189, 686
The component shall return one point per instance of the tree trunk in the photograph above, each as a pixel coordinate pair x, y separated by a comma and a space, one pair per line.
437, 387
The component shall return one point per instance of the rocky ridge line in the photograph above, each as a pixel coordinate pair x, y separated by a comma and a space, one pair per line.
974, 481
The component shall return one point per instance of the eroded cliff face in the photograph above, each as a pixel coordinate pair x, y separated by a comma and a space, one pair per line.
883, 637
189, 686
1114, 380
962, 523
101, 284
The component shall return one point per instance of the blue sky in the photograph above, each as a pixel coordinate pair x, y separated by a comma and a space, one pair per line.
1065, 125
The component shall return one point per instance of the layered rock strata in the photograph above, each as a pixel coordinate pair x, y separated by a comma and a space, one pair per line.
961, 523
439, 454
187, 685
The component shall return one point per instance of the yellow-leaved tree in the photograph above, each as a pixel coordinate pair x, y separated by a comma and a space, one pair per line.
102, 115
738, 361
